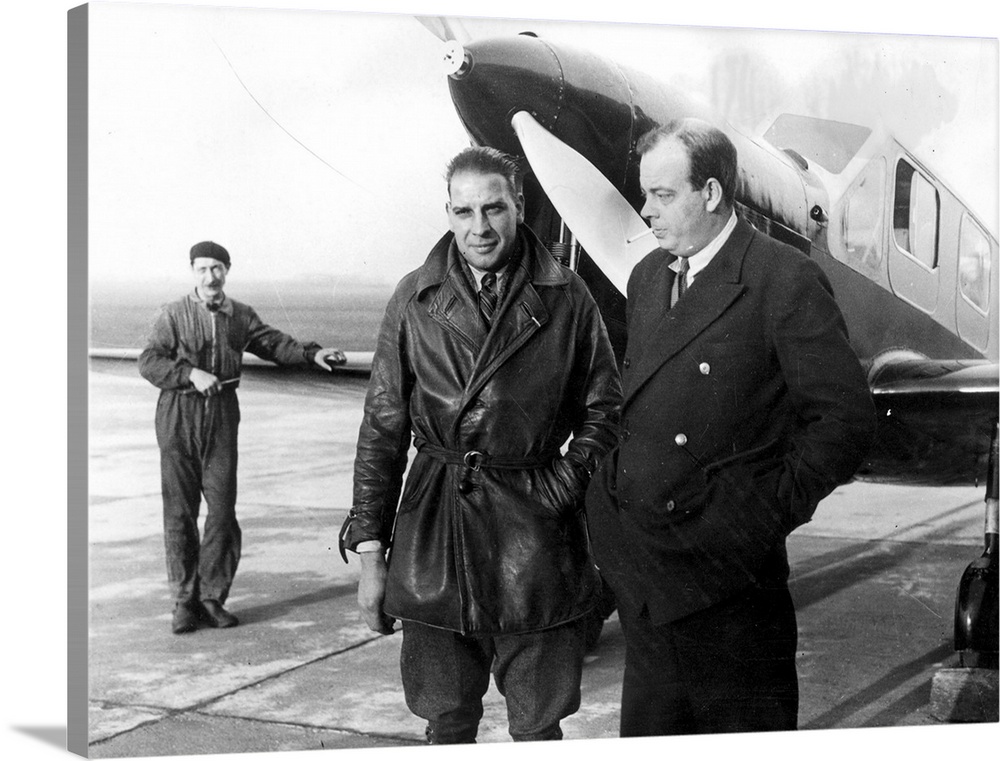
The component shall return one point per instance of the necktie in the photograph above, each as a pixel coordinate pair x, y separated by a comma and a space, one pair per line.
682, 277
488, 297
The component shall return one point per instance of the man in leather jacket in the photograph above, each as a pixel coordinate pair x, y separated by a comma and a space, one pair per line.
491, 357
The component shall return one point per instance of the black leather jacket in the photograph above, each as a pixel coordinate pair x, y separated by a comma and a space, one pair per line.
489, 535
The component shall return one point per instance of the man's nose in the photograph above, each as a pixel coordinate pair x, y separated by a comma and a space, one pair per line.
480, 223
646, 212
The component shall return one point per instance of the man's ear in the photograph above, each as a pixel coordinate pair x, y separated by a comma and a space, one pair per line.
712, 193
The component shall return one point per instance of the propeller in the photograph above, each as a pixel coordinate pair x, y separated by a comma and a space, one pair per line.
446, 29
454, 36
607, 226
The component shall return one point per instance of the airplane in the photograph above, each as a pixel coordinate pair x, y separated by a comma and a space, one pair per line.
913, 268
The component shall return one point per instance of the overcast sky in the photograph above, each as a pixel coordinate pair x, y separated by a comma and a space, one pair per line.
313, 142
148, 230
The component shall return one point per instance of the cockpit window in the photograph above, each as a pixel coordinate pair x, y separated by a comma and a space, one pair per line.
830, 144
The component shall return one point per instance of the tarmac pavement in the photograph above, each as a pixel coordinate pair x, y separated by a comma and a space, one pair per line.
874, 578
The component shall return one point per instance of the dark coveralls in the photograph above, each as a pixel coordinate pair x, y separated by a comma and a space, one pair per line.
197, 435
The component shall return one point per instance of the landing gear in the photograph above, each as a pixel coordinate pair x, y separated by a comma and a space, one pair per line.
976, 634
970, 693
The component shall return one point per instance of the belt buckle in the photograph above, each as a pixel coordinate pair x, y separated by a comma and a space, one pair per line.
473, 460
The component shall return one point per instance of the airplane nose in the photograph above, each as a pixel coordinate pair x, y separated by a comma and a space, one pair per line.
579, 97
495, 78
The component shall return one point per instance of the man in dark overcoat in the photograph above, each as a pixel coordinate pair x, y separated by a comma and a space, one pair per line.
494, 362
744, 405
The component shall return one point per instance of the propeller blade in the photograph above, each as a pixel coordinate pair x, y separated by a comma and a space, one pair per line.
445, 29
606, 225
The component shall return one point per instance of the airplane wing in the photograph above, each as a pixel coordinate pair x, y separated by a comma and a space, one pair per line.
358, 362
916, 378
936, 419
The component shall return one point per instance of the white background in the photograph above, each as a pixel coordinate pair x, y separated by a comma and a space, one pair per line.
34, 537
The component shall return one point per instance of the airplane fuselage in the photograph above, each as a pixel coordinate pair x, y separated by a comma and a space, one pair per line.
911, 266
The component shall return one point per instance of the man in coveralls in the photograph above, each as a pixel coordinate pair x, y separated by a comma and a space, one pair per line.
491, 355
195, 356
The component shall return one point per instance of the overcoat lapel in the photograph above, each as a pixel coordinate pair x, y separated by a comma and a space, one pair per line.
454, 305
520, 315
713, 292
522, 312
454, 308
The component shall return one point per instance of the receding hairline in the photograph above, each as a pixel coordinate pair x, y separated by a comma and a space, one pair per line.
485, 160
481, 172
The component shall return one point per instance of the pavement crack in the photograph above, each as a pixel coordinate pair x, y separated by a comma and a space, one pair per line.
198, 708
310, 726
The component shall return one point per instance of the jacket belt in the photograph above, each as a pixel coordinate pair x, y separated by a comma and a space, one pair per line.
227, 385
474, 460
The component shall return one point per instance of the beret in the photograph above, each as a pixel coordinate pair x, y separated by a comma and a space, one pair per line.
210, 250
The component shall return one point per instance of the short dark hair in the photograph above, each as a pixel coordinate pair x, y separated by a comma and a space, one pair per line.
484, 160
711, 152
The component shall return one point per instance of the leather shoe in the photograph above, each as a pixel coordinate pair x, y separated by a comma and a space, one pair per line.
217, 616
186, 616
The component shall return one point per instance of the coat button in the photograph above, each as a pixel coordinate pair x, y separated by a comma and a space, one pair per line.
705, 368
680, 439
670, 506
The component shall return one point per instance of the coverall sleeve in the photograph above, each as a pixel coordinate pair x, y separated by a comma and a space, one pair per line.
273, 345
160, 362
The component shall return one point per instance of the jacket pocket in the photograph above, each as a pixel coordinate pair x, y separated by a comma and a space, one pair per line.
550, 491
761, 457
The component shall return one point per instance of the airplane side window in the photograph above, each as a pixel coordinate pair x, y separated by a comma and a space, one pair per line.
974, 264
915, 215
863, 219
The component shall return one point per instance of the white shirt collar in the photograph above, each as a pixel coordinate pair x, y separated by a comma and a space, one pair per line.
698, 262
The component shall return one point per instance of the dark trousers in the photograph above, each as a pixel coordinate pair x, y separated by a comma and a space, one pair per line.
198, 456
445, 676
729, 668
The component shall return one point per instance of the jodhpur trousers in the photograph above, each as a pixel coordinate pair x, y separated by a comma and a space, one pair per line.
445, 676
198, 454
